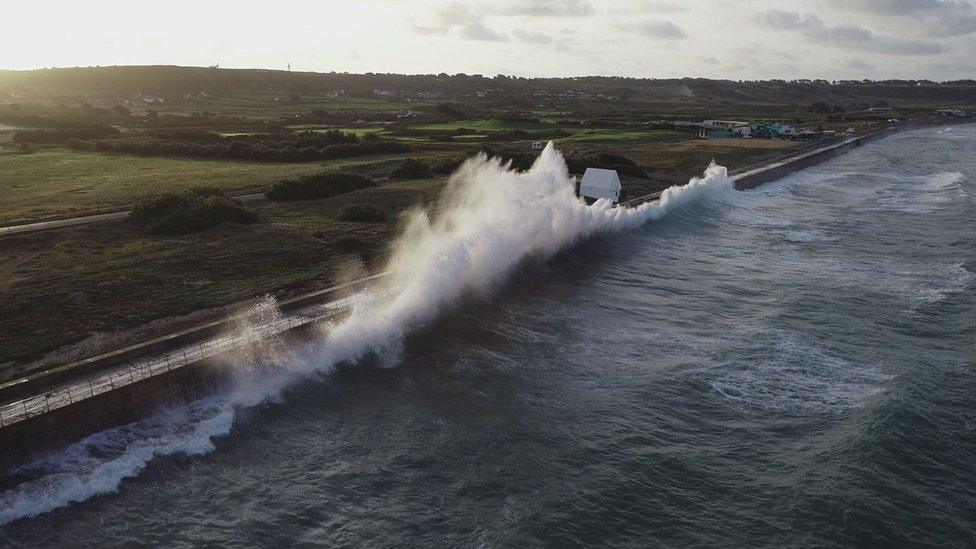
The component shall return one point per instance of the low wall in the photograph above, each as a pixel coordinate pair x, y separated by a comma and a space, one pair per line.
26, 440
40, 382
751, 179
53, 430
22, 441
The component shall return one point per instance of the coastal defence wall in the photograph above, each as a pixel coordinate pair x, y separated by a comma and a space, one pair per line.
56, 428
752, 178
29, 439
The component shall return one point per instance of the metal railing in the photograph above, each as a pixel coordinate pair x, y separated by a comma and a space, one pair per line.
133, 372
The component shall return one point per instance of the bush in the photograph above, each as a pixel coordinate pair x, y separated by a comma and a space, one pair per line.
188, 212
412, 168
614, 159
351, 244
278, 147
61, 135
321, 185
362, 213
607, 161
447, 166
521, 160
76, 144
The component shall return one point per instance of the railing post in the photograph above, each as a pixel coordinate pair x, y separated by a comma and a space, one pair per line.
26, 413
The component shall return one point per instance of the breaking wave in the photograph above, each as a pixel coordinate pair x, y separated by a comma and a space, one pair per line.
489, 220
921, 195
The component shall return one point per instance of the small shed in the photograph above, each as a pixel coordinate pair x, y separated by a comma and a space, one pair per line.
598, 183
538, 145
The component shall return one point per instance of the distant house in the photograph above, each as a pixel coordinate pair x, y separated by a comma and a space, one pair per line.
538, 145
599, 183
951, 112
717, 134
723, 124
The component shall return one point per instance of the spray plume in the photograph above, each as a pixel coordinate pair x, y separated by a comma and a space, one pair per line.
489, 219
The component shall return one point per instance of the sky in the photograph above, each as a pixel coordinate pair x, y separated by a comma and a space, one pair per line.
737, 39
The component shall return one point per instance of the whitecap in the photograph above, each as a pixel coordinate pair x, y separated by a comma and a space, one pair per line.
809, 235
799, 378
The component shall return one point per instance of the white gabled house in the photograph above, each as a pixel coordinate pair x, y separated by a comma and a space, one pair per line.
599, 183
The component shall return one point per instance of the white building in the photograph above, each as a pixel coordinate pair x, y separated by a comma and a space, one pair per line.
598, 183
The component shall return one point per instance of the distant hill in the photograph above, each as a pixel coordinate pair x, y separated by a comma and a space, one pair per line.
172, 81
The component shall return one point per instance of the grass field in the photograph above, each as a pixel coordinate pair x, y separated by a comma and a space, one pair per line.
579, 133
622, 135
58, 182
677, 161
319, 128
105, 277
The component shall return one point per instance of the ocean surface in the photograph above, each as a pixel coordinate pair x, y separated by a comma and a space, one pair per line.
793, 365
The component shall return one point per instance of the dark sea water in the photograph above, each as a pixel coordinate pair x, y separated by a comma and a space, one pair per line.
793, 365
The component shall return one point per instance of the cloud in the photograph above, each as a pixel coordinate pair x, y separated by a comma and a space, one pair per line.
655, 6
659, 30
708, 60
478, 31
425, 30
455, 13
443, 18
531, 37
549, 8
846, 35
904, 7
858, 64
918, 17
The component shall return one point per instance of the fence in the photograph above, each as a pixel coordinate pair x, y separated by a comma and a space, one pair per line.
132, 372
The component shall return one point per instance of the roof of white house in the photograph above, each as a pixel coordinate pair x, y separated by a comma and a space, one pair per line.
601, 179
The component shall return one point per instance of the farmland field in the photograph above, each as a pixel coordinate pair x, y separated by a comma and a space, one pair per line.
57, 182
109, 276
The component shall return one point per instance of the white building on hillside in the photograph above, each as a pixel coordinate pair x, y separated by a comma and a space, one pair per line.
598, 183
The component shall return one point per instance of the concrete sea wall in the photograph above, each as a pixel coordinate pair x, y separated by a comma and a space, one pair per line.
54, 428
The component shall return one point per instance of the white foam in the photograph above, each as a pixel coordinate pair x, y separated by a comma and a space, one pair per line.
799, 378
920, 194
809, 235
98, 464
491, 219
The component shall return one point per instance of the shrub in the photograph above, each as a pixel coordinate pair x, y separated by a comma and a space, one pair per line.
607, 161
351, 244
520, 160
321, 185
61, 135
412, 168
189, 211
614, 159
447, 165
362, 213
285, 147
76, 144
